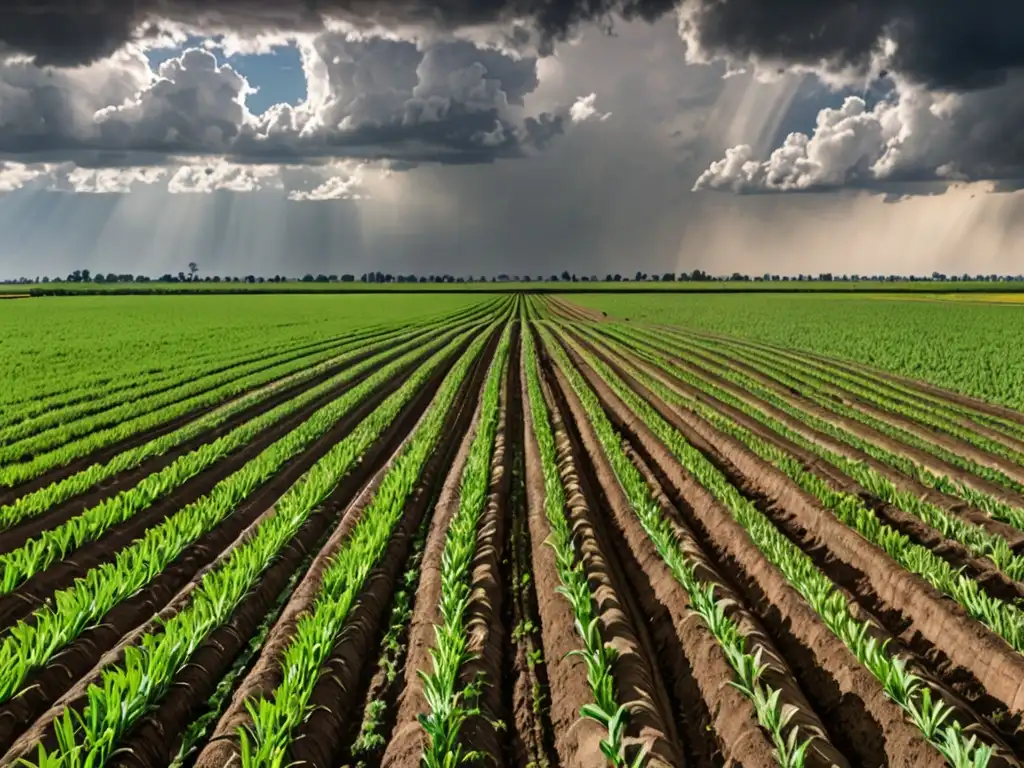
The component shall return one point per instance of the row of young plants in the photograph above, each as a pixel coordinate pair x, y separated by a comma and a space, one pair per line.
837, 382
891, 390
393, 650
134, 376
598, 655
197, 393
448, 707
977, 539
38, 502
275, 716
30, 643
68, 392
37, 554
1005, 619
13, 473
790, 377
928, 399
742, 652
198, 373
129, 688
916, 697
720, 366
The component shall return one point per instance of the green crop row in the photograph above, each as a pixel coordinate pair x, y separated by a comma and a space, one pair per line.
887, 388
992, 506
52, 353
788, 376
30, 644
922, 704
1003, 618
37, 554
771, 711
967, 347
36, 414
36, 432
275, 716
449, 708
129, 688
979, 541
37, 502
574, 587
796, 378
83, 442
836, 381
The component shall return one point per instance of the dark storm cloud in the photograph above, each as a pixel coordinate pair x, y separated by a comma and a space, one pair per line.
954, 44
957, 44
67, 32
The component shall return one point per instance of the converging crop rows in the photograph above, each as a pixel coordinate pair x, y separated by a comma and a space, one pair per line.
511, 531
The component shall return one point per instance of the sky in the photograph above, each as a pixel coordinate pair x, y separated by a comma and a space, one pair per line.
478, 137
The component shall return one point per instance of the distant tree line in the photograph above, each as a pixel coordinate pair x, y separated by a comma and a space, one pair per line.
697, 275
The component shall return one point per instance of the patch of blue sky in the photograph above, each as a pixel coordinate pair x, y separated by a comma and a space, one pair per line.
277, 76
814, 96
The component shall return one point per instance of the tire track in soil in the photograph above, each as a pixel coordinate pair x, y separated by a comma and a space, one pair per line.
16, 536
866, 725
335, 698
102, 643
651, 722
819, 534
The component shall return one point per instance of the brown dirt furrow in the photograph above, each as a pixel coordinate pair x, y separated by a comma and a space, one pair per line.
62, 574
865, 723
408, 740
936, 618
110, 487
526, 686
335, 718
902, 482
651, 723
777, 673
689, 657
485, 612
576, 740
335, 696
44, 686
930, 462
983, 570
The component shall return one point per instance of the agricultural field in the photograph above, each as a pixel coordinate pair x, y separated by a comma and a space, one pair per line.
509, 530
953, 341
